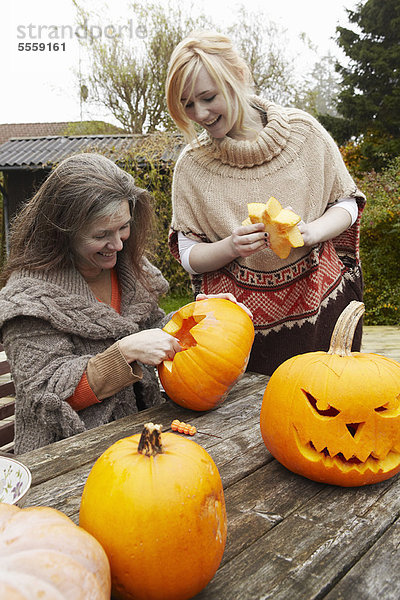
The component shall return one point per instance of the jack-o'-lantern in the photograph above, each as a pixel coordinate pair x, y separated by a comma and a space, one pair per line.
335, 417
216, 336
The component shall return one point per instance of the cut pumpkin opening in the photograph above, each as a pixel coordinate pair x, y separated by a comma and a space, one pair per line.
184, 336
181, 328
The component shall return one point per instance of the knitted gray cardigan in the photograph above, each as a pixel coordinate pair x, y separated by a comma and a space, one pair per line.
51, 325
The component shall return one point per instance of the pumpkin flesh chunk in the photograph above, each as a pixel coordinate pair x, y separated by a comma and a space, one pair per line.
280, 224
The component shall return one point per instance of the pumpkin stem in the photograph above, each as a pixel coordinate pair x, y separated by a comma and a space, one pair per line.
343, 333
150, 440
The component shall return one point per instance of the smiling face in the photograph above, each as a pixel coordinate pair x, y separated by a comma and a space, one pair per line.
206, 105
97, 246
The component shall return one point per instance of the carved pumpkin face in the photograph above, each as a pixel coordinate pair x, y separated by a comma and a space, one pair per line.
333, 418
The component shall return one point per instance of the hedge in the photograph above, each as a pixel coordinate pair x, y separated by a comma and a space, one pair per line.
380, 245
380, 227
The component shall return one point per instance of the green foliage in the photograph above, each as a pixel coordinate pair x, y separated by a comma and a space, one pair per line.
155, 175
92, 128
174, 301
370, 97
380, 245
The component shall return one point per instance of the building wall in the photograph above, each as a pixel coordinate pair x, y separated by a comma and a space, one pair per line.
20, 185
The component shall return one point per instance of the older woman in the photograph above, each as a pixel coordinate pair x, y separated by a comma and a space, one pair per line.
79, 313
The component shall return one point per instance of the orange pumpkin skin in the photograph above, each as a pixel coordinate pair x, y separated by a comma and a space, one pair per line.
43, 554
335, 419
217, 336
161, 519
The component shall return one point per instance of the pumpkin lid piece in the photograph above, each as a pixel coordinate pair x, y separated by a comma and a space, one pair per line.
280, 224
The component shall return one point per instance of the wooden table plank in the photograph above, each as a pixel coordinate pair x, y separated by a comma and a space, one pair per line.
242, 405
288, 537
256, 504
305, 554
376, 574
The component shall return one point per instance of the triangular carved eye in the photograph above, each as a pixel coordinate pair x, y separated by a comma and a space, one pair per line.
328, 412
390, 408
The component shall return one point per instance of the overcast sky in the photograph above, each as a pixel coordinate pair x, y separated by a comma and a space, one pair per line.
42, 86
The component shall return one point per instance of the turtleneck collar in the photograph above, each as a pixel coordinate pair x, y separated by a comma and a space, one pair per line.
268, 144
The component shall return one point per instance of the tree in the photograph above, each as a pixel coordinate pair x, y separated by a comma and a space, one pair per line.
262, 45
319, 92
129, 78
369, 101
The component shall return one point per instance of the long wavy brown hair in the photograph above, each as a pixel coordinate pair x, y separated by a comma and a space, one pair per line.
80, 190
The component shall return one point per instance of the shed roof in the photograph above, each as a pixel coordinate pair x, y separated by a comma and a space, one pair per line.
43, 152
24, 130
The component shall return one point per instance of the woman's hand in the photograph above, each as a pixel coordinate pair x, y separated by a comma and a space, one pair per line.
309, 233
150, 346
331, 224
230, 297
244, 241
248, 239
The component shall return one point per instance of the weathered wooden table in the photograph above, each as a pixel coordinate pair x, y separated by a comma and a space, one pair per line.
288, 538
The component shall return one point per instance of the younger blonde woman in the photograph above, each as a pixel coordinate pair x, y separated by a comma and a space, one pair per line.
243, 148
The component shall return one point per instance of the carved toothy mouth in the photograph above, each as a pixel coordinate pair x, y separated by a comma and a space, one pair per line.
372, 463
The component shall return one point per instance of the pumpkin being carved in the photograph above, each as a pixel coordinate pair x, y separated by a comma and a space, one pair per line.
156, 504
217, 336
43, 554
335, 417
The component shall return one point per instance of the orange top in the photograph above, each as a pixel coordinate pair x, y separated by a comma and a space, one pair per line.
84, 395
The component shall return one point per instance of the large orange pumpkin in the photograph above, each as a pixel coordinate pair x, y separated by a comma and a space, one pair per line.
43, 554
157, 507
217, 336
335, 417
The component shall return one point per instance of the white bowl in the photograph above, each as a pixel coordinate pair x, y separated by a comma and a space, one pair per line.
15, 481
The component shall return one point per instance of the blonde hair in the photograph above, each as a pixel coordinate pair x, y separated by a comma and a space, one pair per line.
225, 66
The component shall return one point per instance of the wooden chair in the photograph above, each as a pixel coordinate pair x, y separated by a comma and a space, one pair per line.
7, 408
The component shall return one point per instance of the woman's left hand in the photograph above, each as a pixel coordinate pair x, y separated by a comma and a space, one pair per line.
230, 297
309, 233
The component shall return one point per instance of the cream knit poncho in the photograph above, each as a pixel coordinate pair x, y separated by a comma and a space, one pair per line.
297, 161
